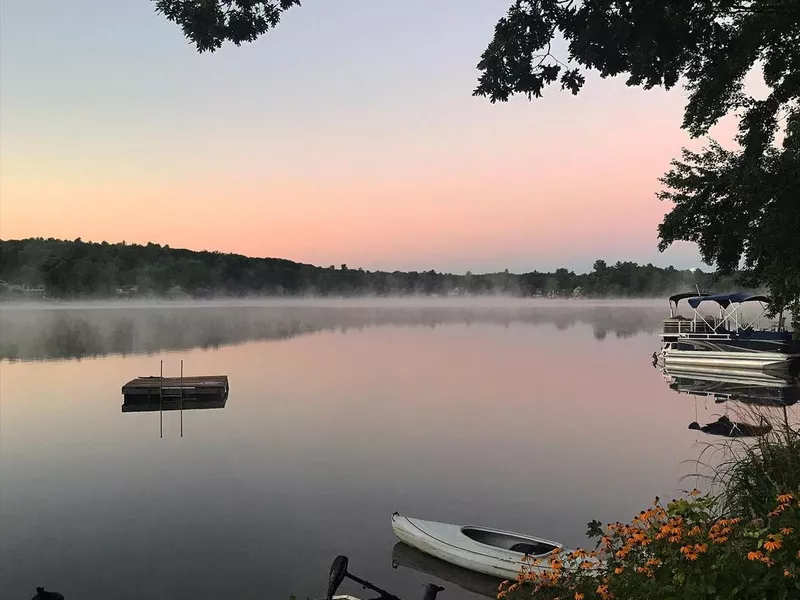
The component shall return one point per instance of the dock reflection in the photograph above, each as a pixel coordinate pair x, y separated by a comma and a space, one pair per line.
167, 405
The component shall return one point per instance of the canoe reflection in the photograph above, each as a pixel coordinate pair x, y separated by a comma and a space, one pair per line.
477, 583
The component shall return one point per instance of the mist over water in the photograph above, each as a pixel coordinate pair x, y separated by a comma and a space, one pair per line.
91, 329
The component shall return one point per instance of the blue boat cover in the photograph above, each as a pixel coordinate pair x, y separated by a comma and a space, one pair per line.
682, 296
725, 300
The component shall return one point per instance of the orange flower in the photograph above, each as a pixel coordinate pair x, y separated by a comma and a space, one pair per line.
619, 570
788, 573
785, 498
675, 539
694, 492
720, 540
604, 593
787, 530
578, 596
773, 543
686, 550
700, 548
756, 555
694, 531
768, 561
691, 557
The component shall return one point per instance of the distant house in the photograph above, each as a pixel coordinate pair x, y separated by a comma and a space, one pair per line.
126, 291
455, 292
577, 292
177, 291
24, 289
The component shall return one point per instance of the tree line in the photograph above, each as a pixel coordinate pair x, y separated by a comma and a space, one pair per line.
78, 269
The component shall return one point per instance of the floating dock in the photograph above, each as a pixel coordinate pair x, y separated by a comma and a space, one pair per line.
146, 390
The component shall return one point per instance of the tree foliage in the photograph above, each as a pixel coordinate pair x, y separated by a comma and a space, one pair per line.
209, 23
740, 206
79, 269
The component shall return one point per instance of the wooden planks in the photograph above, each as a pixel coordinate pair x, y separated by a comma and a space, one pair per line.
206, 386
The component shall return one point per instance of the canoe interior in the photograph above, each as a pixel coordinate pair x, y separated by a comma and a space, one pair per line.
509, 541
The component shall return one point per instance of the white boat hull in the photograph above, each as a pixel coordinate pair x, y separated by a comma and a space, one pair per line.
727, 360
447, 542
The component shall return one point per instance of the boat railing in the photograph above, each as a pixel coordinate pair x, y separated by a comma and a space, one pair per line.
676, 326
707, 336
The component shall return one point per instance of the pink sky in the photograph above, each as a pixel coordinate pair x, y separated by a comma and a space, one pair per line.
347, 135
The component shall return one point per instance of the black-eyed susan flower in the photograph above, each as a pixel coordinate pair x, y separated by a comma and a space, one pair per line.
774, 542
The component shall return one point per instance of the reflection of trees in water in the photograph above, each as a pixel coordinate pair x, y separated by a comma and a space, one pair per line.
38, 334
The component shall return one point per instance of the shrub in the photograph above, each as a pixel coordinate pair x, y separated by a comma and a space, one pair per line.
678, 552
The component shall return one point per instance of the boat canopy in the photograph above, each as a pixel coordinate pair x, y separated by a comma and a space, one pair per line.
683, 295
725, 300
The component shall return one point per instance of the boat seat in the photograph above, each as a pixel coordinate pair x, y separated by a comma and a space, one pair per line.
532, 549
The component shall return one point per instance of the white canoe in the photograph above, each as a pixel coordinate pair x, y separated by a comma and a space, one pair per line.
490, 551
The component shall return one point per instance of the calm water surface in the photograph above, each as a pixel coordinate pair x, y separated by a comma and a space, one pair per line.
535, 417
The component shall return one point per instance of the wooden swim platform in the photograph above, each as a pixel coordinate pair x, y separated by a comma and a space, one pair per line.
170, 388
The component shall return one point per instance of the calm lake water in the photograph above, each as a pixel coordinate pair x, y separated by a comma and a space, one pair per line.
529, 416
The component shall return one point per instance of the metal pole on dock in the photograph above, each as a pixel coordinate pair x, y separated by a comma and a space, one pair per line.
181, 397
161, 400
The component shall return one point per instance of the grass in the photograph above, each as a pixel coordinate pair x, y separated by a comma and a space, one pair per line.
745, 474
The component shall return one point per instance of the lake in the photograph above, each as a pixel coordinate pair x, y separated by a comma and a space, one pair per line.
533, 416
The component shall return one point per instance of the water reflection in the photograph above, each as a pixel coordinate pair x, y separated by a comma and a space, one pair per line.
37, 333
732, 429
751, 396
327, 435
477, 583
747, 387
166, 405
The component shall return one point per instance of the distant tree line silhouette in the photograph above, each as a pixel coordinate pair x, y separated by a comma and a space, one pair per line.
77, 269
